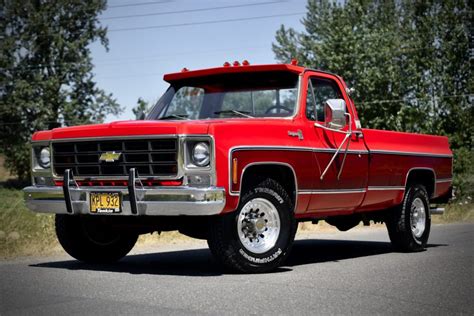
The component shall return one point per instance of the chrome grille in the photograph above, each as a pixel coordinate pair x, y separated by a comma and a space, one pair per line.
150, 157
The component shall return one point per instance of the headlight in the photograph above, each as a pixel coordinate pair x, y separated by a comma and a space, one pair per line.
201, 154
44, 158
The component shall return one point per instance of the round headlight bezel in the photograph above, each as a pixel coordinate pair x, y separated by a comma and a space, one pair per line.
201, 154
44, 157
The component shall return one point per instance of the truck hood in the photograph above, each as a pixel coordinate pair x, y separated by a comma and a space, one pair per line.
125, 128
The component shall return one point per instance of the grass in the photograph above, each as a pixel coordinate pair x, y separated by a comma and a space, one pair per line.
23, 232
456, 212
4, 174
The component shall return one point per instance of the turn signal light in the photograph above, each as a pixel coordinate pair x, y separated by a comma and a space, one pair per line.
234, 171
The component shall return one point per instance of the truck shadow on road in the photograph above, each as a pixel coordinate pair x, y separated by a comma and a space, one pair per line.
313, 251
199, 262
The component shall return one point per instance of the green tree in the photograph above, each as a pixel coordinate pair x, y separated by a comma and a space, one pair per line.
409, 61
141, 109
405, 59
46, 79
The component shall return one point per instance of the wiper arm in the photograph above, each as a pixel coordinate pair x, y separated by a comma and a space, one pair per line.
175, 116
241, 113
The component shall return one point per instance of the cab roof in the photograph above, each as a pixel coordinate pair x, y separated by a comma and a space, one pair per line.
235, 68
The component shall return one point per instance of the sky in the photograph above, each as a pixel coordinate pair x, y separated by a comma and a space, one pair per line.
149, 38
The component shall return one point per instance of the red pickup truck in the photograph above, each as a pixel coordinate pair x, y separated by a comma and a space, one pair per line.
237, 155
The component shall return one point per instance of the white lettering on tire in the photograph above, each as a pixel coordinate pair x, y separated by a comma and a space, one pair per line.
261, 260
271, 192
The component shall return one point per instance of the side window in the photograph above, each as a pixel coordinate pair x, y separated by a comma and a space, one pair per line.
320, 90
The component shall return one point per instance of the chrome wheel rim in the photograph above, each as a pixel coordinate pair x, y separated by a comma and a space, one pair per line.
258, 225
418, 217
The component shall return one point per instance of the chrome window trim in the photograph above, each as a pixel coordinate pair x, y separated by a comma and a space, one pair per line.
315, 73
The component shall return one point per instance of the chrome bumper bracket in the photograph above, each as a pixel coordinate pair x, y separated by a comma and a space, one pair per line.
131, 191
68, 177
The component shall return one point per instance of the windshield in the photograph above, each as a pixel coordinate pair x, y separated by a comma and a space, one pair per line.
255, 94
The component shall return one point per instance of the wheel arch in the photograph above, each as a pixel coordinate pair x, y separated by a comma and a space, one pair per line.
424, 176
281, 172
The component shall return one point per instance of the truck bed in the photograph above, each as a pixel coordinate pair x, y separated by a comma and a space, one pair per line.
394, 156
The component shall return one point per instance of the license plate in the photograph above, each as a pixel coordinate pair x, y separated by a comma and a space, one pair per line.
105, 202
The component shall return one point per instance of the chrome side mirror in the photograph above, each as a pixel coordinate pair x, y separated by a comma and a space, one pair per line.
335, 113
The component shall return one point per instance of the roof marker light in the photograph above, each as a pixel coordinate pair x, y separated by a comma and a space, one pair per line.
184, 69
226, 64
236, 63
245, 63
294, 62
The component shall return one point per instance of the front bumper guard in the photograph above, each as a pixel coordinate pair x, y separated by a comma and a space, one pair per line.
136, 200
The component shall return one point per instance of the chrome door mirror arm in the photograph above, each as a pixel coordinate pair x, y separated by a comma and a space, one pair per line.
331, 129
347, 139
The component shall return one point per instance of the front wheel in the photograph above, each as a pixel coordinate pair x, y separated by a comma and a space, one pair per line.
90, 239
409, 225
259, 235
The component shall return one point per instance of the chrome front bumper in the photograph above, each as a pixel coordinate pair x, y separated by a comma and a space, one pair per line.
153, 201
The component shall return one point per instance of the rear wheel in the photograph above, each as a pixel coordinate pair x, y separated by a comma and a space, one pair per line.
409, 225
259, 235
90, 239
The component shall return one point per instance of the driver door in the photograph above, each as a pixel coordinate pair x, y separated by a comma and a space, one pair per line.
342, 187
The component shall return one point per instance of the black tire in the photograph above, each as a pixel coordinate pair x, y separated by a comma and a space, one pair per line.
226, 246
399, 223
89, 239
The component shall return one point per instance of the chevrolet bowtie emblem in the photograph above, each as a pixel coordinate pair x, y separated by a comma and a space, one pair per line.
110, 156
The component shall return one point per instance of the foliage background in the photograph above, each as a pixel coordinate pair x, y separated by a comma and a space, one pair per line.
46, 77
410, 63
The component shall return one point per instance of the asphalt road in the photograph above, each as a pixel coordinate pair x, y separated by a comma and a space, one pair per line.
343, 273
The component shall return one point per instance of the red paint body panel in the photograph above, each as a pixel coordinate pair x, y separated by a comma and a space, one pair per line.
125, 128
375, 169
406, 142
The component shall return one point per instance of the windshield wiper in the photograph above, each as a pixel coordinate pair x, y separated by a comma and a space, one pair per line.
241, 113
175, 116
